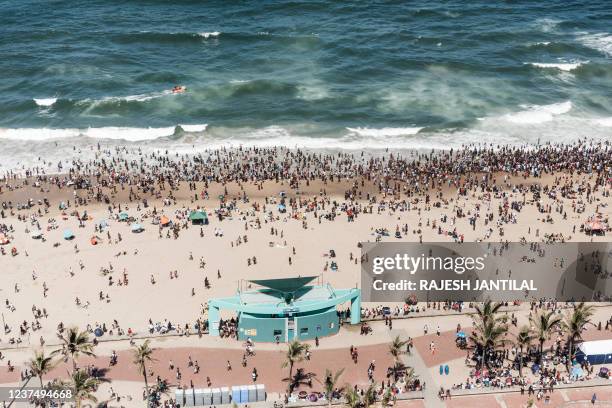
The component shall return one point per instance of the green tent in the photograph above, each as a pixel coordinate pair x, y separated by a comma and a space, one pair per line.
198, 217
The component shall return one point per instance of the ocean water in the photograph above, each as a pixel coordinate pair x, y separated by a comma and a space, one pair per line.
385, 74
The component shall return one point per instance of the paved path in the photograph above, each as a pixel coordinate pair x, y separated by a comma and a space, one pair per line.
415, 361
213, 364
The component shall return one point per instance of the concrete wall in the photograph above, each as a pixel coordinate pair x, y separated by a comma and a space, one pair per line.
321, 324
262, 328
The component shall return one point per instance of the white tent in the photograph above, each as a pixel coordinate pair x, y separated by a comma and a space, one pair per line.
596, 352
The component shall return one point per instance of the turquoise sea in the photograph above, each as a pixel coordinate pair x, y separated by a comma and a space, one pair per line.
382, 74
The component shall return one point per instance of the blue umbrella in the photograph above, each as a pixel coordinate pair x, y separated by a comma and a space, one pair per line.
461, 335
68, 234
577, 371
137, 228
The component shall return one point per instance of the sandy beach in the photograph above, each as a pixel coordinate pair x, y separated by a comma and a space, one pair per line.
133, 284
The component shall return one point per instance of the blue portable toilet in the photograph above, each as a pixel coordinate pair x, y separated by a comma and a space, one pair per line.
244, 393
236, 395
261, 392
225, 395
179, 396
189, 397
216, 396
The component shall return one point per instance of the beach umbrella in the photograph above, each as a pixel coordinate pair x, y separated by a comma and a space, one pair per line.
103, 223
123, 216
4, 240
36, 234
137, 227
461, 335
98, 332
68, 234
164, 220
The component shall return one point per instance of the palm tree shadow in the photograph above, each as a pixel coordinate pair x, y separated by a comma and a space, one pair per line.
300, 378
101, 373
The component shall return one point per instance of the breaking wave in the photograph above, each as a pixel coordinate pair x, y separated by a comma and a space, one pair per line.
384, 132
209, 35
534, 114
601, 42
565, 66
194, 128
130, 134
45, 102
128, 98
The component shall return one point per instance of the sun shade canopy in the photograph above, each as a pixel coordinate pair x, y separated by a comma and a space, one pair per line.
286, 285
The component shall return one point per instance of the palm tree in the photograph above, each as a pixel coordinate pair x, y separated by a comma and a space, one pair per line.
397, 348
369, 397
487, 311
544, 323
575, 323
489, 328
523, 340
83, 386
387, 397
295, 354
410, 375
143, 354
330, 384
74, 344
353, 400
40, 365
488, 335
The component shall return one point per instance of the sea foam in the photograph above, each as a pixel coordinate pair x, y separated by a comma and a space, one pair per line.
384, 132
607, 122
194, 128
210, 34
601, 42
547, 25
565, 66
136, 98
45, 102
534, 114
130, 134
